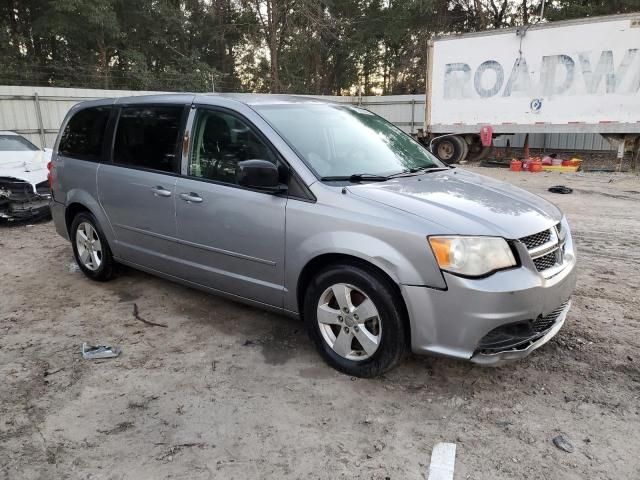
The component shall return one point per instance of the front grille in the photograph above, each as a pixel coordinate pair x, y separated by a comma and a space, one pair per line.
545, 248
15, 189
537, 239
543, 323
546, 261
42, 188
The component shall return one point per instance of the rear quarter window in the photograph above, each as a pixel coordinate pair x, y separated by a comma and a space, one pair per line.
83, 136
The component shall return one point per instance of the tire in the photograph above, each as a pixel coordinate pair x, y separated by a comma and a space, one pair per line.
388, 325
477, 151
465, 149
450, 149
94, 256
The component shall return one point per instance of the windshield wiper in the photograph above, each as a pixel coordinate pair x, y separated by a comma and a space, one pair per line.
371, 177
357, 178
415, 171
431, 169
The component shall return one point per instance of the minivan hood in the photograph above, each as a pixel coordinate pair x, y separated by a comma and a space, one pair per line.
465, 203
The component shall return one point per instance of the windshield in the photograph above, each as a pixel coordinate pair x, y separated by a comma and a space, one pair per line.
340, 141
15, 143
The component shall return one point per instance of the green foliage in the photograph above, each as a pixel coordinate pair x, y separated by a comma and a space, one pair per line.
562, 9
299, 46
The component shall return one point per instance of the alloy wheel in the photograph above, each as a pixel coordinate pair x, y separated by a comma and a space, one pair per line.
89, 246
349, 322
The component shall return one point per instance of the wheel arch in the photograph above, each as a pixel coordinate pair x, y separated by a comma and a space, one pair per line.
322, 261
80, 200
70, 213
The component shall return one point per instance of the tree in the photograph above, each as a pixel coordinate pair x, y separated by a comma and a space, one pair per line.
566, 9
295, 46
272, 17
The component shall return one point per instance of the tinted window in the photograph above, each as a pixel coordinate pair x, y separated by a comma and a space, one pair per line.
147, 137
221, 141
16, 143
84, 134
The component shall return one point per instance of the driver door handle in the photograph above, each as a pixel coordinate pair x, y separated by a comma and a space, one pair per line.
160, 191
191, 197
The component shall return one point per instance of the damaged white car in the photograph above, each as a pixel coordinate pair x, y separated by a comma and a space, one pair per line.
24, 188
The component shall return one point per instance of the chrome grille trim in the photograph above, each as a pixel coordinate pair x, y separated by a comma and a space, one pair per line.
546, 249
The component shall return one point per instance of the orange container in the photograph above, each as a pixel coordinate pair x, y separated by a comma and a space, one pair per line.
574, 162
535, 166
516, 165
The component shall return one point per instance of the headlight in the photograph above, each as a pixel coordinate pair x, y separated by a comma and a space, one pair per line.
472, 256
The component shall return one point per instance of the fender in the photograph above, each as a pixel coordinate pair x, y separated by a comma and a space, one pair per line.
373, 250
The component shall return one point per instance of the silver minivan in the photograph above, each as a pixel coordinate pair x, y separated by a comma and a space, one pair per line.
321, 211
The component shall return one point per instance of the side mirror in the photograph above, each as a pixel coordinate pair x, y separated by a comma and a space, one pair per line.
259, 174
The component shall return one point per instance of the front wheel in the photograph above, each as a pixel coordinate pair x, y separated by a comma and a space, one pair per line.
90, 248
355, 319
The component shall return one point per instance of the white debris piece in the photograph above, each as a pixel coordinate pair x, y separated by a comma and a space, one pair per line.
443, 459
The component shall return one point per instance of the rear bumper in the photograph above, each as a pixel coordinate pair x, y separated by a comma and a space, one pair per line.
452, 322
57, 213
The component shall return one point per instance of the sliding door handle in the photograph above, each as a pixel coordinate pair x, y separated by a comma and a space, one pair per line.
161, 191
191, 197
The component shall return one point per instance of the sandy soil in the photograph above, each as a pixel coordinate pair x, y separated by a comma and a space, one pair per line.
230, 392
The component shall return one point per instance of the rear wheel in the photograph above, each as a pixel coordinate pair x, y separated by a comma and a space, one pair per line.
355, 320
90, 248
477, 151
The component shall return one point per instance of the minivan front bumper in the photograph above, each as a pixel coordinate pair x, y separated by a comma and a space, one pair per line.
516, 353
453, 322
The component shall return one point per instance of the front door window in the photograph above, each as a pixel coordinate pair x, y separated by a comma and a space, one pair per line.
221, 140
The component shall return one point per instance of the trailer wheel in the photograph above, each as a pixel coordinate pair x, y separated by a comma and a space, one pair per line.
450, 149
477, 151
465, 151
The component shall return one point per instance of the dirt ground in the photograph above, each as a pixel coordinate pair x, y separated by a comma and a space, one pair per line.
231, 392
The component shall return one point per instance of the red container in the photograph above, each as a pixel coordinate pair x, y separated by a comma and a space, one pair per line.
535, 166
516, 165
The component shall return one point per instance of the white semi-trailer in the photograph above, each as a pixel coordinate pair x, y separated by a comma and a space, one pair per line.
577, 76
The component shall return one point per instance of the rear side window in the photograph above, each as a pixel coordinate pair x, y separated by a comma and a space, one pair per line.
83, 136
148, 137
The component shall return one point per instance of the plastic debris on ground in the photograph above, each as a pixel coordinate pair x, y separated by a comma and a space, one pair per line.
560, 189
91, 352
